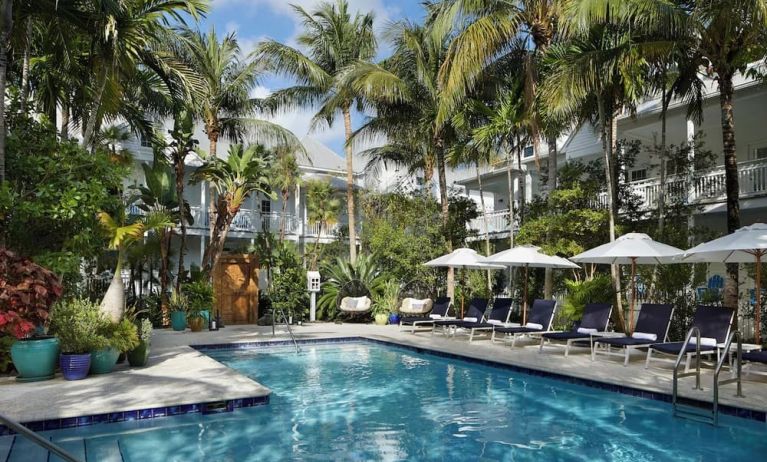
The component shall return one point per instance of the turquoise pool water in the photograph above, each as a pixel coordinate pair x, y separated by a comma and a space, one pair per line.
361, 401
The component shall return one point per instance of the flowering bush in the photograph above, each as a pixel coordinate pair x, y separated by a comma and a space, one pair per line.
27, 292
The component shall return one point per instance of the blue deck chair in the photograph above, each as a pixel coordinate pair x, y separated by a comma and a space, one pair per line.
474, 314
652, 325
439, 310
595, 318
499, 314
714, 323
540, 319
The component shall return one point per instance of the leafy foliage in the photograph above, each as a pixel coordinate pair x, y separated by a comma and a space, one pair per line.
77, 324
27, 292
346, 279
598, 289
289, 286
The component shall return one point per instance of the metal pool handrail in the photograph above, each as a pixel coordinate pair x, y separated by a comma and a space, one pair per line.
738, 368
37, 439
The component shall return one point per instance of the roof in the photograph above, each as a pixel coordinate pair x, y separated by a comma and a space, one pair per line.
319, 156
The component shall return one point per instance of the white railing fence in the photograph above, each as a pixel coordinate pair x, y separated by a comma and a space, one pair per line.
497, 222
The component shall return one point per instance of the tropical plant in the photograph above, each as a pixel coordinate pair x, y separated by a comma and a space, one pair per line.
122, 233
200, 297
121, 336
386, 300
289, 287
160, 196
76, 323
598, 289
342, 277
334, 41
286, 177
27, 292
322, 209
245, 172
178, 302
144, 330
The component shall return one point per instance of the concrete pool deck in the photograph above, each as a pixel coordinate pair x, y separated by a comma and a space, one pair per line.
178, 374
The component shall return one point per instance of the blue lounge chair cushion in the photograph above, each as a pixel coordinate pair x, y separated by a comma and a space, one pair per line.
623, 341
565, 335
477, 308
516, 330
756, 356
675, 347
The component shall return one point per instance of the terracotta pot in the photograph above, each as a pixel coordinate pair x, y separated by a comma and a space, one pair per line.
196, 323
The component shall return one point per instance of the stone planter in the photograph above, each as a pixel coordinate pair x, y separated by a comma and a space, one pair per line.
381, 319
196, 323
104, 361
178, 320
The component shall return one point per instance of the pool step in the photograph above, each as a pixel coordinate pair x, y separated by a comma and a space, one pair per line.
105, 449
24, 450
5, 447
16, 448
695, 413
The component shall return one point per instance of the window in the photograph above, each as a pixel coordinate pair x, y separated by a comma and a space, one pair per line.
760, 153
528, 152
639, 175
266, 206
146, 142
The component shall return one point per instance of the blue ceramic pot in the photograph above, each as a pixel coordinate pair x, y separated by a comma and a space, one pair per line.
394, 319
35, 358
178, 320
75, 367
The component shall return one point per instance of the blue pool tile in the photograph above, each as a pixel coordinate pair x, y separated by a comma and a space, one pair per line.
174, 410
83, 421
130, 415
145, 414
36, 426
116, 417
159, 412
69, 422
53, 424
100, 418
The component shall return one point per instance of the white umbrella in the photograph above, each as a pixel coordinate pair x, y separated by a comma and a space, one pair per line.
631, 249
529, 256
746, 245
463, 258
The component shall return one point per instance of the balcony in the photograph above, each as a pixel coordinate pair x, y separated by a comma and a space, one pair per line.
703, 187
497, 223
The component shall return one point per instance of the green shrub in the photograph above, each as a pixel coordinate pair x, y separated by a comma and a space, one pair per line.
144, 328
598, 289
5, 353
76, 322
122, 336
385, 301
200, 297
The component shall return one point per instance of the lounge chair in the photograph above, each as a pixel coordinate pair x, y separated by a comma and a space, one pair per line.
475, 314
595, 319
415, 306
539, 321
499, 314
714, 323
652, 325
752, 357
440, 310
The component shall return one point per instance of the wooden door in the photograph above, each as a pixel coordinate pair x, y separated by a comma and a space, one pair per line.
235, 281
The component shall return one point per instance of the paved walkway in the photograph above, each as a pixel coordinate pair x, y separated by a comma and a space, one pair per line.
178, 374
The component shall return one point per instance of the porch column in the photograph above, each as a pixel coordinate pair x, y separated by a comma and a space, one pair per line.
202, 217
297, 210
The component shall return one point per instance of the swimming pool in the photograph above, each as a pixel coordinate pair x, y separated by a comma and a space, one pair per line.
364, 401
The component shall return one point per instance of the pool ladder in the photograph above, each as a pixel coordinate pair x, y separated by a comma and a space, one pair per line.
37, 439
290, 331
694, 412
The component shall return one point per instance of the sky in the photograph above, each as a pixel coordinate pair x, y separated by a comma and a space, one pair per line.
255, 20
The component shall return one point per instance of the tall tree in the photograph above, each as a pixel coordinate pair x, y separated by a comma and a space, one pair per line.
245, 172
730, 34
333, 41
6, 24
286, 178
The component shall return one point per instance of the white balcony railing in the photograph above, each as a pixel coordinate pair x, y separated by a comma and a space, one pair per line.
328, 231
708, 186
497, 222
249, 221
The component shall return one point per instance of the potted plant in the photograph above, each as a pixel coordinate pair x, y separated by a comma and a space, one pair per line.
76, 323
177, 303
200, 298
139, 355
27, 292
385, 303
120, 337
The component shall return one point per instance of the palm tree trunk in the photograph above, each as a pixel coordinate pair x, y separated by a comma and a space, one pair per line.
180, 171
283, 218
662, 153
213, 139
113, 303
731, 181
522, 182
606, 121
25, 66
164, 265
90, 128
316, 252
7, 24
350, 185
548, 279
510, 182
487, 227
442, 178
220, 231
65, 118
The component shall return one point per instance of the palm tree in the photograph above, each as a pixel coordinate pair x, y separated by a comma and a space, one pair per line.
111, 140
322, 209
286, 177
406, 94
730, 35
246, 171
122, 233
334, 41
6, 25
122, 34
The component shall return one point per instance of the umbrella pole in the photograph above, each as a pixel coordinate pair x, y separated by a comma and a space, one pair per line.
758, 299
524, 302
633, 294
